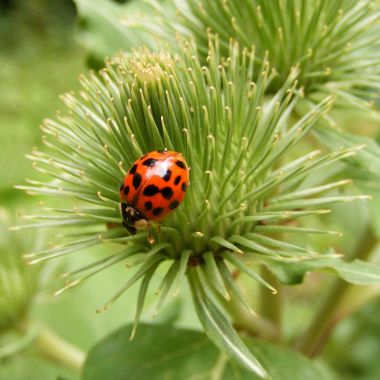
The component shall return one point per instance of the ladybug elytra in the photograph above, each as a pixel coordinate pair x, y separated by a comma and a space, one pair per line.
154, 186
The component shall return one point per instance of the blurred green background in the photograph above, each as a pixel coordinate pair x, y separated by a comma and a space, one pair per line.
41, 58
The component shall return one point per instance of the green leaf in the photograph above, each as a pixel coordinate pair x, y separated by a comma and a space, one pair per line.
367, 158
219, 329
374, 211
104, 29
355, 272
183, 355
370, 184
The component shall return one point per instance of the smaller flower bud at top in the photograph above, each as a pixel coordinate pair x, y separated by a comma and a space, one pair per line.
335, 47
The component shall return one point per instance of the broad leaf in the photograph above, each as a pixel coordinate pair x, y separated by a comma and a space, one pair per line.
364, 166
166, 353
370, 185
355, 272
104, 28
368, 158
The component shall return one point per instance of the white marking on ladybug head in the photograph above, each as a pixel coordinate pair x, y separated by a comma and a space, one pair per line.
130, 211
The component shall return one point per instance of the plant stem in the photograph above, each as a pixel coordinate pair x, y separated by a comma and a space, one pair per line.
57, 349
24, 340
317, 334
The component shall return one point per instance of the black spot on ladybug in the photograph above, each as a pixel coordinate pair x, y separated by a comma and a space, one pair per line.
180, 164
150, 162
136, 181
150, 190
183, 186
121, 187
133, 169
167, 192
126, 190
177, 180
157, 211
173, 205
148, 205
167, 175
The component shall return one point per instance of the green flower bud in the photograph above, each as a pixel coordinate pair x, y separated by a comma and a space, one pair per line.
244, 183
335, 45
18, 281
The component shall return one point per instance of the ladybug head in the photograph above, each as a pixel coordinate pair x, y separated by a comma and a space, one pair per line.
133, 220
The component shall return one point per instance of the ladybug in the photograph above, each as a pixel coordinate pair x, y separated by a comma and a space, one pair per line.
154, 186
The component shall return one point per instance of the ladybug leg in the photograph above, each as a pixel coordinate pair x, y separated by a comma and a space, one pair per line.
131, 230
151, 239
158, 227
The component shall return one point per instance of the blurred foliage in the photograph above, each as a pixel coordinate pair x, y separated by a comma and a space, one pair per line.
28, 366
39, 60
355, 348
102, 31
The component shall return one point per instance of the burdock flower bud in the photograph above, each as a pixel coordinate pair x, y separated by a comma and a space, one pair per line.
335, 45
18, 281
246, 180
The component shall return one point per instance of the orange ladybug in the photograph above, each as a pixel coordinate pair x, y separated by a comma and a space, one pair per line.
154, 186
